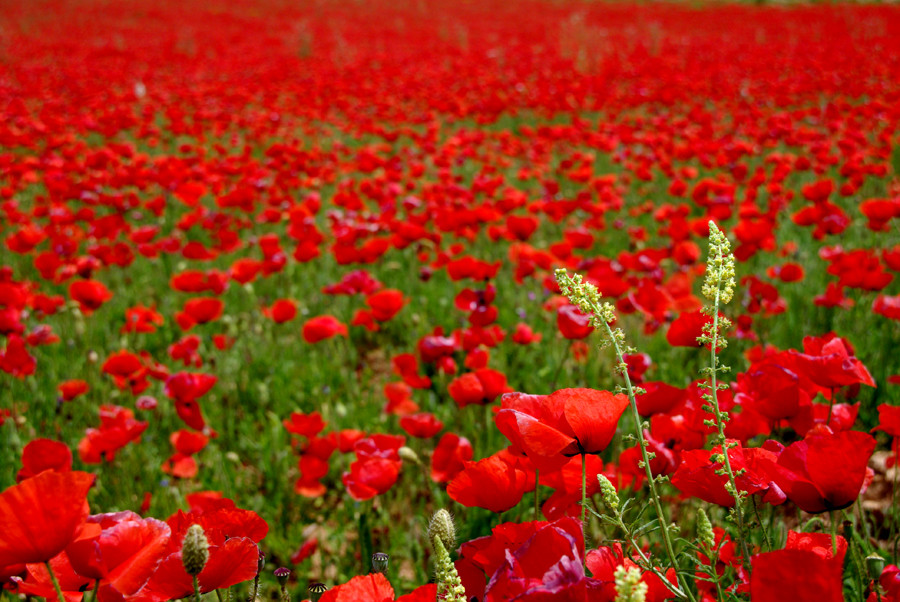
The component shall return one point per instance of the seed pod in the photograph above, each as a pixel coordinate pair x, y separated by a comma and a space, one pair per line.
316, 590
380, 562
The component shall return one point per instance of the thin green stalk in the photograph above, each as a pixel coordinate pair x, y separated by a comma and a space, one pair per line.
720, 423
93, 597
761, 525
59, 594
562, 361
642, 443
196, 589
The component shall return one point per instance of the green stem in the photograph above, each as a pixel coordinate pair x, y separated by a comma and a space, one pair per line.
654, 494
720, 424
93, 597
196, 589
559, 366
762, 526
59, 594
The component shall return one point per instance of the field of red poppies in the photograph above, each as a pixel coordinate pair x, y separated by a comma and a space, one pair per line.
614, 284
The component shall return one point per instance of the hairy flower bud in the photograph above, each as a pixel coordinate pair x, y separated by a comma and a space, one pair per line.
195, 550
441, 527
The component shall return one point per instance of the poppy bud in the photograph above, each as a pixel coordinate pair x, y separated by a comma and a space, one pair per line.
380, 562
195, 550
408, 454
441, 527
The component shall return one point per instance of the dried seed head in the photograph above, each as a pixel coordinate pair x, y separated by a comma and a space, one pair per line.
380, 562
282, 574
194, 550
316, 590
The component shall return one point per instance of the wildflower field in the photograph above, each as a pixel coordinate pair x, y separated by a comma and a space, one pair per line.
532, 300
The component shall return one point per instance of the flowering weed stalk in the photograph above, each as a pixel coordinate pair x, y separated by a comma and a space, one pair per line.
718, 287
601, 315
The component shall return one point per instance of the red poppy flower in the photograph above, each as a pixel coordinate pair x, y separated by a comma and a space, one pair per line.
491, 483
364, 588
548, 428
305, 551
422, 426
123, 554
37, 581
400, 402
700, 476
385, 304
406, 366
478, 387
40, 516
44, 454
15, 359
70, 389
377, 466
230, 562
305, 425
886, 306
185, 350
825, 471
199, 310
806, 570
524, 335
321, 328
141, 319
572, 323
90, 295
281, 311
449, 457
685, 329
830, 363
117, 429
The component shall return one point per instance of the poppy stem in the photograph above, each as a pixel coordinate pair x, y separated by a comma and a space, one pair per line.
562, 360
59, 594
761, 525
196, 589
645, 456
537, 480
94, 591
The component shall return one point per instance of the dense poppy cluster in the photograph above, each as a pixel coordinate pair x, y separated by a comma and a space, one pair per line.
312, 268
